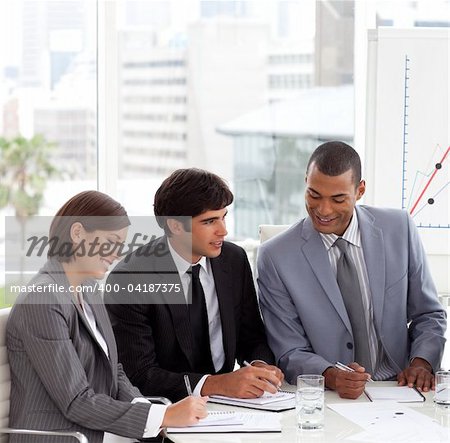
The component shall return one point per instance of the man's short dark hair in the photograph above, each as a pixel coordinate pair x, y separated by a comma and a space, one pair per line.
335, 158
188, 193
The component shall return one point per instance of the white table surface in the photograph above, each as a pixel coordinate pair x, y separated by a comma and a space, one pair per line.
336, 428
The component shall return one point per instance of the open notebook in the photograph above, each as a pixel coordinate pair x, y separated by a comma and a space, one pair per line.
399, 394
231, 421
265, 399
281, 401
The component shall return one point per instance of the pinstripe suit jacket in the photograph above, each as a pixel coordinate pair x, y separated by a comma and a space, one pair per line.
152, 329
60, 377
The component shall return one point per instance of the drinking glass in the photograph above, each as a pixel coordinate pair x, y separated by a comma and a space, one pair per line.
442, 389
310, 402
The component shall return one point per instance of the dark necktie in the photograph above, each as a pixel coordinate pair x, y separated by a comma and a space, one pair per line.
348, 282
198, 316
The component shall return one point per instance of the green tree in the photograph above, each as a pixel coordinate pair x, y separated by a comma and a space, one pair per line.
25, 167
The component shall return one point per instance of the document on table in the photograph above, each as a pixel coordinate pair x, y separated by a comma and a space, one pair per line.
265, 399
229, 421
399, 394
390, 421
215, 418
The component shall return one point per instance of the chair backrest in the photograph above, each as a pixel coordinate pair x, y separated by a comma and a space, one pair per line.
268, 231
5, 379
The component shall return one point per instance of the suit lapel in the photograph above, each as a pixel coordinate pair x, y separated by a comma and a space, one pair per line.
374, 256
103, 325
180, 319
317, 256
221, 269
56, 271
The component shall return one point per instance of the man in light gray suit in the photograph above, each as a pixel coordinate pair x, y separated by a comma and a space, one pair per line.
386, 314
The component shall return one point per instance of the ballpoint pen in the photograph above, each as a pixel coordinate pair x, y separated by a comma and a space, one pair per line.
188, 384
246, 363
343, 367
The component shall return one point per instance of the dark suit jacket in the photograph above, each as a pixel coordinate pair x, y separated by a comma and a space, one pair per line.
152, 329
60, 377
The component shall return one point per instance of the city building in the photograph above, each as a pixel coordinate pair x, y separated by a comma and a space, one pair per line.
272, 145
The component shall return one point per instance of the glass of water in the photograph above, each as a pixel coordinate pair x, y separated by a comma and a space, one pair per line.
442, 389
310, 402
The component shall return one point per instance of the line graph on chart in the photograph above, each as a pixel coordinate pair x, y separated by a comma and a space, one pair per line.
407, 164
425, 165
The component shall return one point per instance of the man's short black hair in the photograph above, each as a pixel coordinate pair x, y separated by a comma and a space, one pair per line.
335, 158
188, 193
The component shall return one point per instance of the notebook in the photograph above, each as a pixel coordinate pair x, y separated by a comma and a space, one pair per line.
265, 399
215, 418
399, 394
230, 421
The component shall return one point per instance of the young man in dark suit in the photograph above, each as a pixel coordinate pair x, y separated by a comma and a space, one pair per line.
208, 316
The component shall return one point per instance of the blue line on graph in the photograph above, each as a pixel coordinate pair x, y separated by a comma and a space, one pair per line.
406, 97
405, 129
433, 196
411, 195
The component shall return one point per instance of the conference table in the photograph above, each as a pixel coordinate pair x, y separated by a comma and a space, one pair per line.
336, 429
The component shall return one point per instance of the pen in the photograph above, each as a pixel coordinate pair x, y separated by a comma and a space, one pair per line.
188, 384
343, 367
246, 363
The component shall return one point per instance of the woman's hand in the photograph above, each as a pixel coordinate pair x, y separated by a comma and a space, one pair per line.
185, 412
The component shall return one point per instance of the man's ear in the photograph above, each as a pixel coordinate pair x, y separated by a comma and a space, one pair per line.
77, 233
361, 189
175, 226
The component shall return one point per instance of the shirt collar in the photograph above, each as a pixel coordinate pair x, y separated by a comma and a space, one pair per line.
352, 234
183, 265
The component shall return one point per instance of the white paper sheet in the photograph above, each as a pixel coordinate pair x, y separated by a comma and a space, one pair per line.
389, 421
249, 422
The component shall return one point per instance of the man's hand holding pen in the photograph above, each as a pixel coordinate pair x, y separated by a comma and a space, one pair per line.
349, 382
248, 382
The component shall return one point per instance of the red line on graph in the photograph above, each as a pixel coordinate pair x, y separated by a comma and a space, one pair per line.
429, 181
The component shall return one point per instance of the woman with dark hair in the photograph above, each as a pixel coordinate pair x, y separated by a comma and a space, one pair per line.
62, 353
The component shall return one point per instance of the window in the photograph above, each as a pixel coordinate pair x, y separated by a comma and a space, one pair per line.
246, 89
48, 98
198, 82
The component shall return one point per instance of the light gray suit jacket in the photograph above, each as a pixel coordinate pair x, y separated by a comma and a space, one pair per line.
60, 377
306, 321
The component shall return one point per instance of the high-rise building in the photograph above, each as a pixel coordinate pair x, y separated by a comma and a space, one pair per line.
334, 42
290, 68
153, 106
172, 98
227, 76
272, 146
72, 129
227, 8
52, 32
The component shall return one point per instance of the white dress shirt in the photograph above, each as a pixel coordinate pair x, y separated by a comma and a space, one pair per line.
212, 307
156, 413
380, 361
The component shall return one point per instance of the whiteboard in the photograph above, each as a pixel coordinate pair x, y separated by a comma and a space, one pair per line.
407, 162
